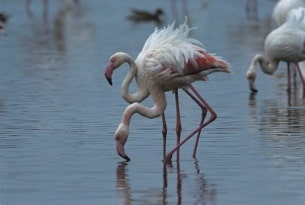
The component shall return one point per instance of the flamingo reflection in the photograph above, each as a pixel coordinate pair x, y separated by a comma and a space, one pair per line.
276, 120
203, 192
122, 183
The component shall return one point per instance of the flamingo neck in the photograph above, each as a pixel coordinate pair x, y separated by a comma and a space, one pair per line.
156, 110
267, 67
141, 93
129, 111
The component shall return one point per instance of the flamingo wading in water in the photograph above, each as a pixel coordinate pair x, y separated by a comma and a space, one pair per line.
285, 43
169, 60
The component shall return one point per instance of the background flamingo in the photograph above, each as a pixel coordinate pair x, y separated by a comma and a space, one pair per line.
281, 13
169, 60
286, 43
282, 9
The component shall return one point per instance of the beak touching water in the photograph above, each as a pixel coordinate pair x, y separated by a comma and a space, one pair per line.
251, 79
252, 86
121, 151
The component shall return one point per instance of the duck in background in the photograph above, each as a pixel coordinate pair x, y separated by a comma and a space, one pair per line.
145, 16
3, 21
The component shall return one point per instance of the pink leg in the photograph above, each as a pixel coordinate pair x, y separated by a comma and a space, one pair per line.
203, 115
294, 72
288, 76
164, 133
178, 121
211, 119
300, 73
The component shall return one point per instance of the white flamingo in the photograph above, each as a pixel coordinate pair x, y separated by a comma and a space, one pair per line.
285, 43
169, 60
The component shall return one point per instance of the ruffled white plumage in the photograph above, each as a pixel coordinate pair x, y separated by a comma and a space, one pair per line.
170, 48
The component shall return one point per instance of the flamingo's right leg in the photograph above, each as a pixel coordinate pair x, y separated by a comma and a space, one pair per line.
301, 75
164, 133
178, 121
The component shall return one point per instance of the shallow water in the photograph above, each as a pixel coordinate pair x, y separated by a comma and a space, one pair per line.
58, 113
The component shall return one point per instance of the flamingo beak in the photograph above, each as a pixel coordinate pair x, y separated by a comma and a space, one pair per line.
252, 86
121, 151
108, 72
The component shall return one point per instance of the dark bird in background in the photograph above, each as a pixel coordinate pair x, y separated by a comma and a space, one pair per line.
144, 16
3, 21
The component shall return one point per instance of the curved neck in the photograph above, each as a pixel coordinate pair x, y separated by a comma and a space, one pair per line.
267, 67
156, 110
141, 93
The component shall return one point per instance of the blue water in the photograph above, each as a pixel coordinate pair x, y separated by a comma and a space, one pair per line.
58, 113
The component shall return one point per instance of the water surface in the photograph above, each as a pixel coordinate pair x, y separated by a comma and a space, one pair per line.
58, 113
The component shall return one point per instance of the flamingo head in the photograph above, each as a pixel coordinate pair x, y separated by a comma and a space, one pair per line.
251, 75
115, 61
121, 136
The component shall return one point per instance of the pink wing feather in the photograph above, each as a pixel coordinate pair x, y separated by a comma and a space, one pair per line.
205, 62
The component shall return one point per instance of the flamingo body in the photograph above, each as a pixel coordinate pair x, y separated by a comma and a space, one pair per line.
169, 60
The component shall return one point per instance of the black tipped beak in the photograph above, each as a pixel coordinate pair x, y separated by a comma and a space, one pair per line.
121, 151
253, 90
252, 86
125, 157
109, 79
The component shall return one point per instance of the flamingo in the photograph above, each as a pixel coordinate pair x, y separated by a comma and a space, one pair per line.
285, 43
282, 9
169, 60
